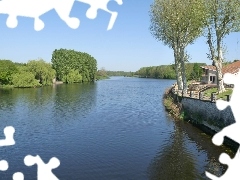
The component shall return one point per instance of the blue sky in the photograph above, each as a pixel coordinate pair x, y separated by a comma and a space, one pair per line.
128, 46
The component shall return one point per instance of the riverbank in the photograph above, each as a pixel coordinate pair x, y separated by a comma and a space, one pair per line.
181, 108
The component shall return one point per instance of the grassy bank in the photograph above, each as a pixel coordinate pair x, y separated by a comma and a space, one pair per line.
172, 105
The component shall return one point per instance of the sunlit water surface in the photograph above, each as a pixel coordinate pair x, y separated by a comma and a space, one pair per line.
115, 129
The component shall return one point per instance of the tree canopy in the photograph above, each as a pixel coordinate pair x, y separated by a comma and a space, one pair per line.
42, 71
177, 23
73, 66
223, 18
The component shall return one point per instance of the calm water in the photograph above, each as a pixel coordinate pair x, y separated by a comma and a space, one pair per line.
113, 129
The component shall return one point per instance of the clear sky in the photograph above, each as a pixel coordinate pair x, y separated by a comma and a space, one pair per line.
128, 46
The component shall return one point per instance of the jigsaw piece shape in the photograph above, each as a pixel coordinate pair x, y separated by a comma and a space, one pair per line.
232, 172
18, 176
101, 4
8, 132
3, 165
44, 170
231, 131
36, 8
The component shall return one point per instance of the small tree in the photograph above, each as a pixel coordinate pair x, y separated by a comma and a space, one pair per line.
223, 18
177, 23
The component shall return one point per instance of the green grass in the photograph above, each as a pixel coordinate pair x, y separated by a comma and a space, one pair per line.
221, 95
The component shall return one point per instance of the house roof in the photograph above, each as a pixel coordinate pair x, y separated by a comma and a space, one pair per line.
210, 67
230, 68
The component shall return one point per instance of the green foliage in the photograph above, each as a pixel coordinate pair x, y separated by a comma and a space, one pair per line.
101, 74
120, 73
168, 71
177, 22
223, 19
158, 72
24, 79
72, 77
66, 61
196, 73
42, 71
7, 68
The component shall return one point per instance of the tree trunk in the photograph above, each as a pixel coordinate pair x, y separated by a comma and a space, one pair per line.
218, 65
178, 70
184, 79
217, 62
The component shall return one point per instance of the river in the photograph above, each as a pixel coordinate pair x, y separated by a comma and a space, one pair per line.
114, 129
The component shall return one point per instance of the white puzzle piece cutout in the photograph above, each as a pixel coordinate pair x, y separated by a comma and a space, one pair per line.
18, 176
8, 132
44, 171
232, 131
3, 165
36, 8
101, 4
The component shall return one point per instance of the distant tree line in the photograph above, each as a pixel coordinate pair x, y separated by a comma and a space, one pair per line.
120, 73
105, 74
193, 71
68, 66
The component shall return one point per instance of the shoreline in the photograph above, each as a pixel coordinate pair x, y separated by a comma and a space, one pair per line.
175, 109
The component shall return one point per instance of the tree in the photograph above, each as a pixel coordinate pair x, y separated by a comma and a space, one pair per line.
24, 79
42, 71
7, 68
196, 72
72, 77
68, 61
177, 23
223, 18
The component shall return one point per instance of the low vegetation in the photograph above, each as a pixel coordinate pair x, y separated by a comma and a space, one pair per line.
172, 105
223, 95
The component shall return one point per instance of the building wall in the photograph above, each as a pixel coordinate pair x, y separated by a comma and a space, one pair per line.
206, 113
206, 78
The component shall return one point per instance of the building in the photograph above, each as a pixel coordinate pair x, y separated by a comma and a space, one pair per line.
210, 74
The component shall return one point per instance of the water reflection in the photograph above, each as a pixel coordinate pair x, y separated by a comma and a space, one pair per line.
174, 160
111, 129
187, 156
74, 100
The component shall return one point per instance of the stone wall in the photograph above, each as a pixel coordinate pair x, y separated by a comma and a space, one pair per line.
206, 113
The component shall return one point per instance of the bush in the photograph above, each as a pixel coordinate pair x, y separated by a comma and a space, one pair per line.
24, 79
72, 77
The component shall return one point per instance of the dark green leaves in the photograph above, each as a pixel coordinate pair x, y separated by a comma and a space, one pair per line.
73, 66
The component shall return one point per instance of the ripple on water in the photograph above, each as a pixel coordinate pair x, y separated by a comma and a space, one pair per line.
111, 129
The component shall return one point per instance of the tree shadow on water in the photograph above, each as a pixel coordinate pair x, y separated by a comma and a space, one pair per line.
174, 161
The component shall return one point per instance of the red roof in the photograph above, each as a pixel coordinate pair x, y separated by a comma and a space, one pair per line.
230, 68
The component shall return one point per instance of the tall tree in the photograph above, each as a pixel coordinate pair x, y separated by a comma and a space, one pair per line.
223, 18
79, 66
177, 23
